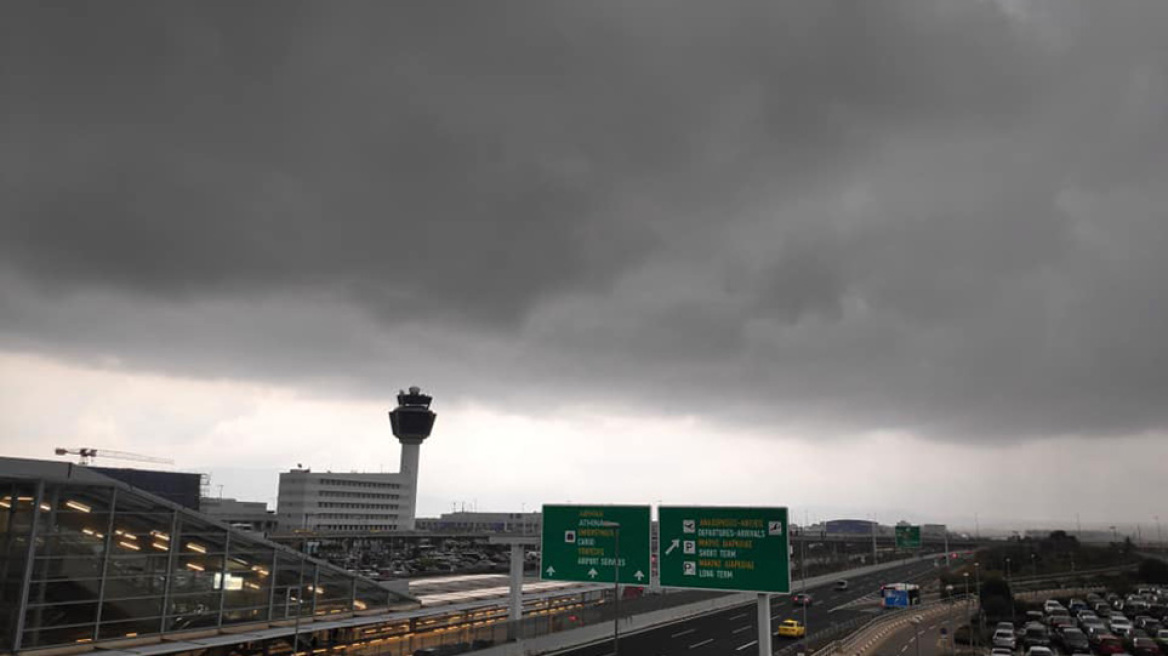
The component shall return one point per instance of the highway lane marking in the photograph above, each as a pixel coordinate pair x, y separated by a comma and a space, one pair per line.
741, 629
678, 635
747, 645
699, 644
738, 617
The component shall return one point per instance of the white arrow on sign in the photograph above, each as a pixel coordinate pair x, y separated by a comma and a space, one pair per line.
551, 571
672, 545
639, 575
592, 573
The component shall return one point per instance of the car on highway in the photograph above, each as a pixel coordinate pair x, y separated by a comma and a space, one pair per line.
1005, 638
802, 599
841, 585
791, 629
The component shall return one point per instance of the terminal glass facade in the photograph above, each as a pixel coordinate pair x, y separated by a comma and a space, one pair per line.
86, 562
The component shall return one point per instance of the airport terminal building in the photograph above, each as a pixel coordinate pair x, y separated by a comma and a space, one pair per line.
88, 559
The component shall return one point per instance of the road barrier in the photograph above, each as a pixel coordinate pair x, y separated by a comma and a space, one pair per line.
872, 634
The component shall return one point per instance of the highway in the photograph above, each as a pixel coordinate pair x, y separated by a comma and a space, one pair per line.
734, 631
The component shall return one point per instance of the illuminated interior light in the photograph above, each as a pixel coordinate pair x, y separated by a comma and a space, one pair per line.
160, 535
46, 507
252, 586
196, 567
360, 605
24, 499
89, 531
131, 635
85, 640
77, 505
5, 504
159, 546
129, 545
196, 547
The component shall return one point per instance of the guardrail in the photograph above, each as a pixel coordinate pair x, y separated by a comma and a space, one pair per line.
868, 634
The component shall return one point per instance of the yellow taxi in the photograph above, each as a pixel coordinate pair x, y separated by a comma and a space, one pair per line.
791, 629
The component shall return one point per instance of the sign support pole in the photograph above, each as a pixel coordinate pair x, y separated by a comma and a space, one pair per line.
764, 624
616, 591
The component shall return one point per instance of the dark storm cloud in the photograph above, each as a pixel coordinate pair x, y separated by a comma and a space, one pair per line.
931, 216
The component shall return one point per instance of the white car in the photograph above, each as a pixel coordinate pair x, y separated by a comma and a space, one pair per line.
1039, 651
1120, 625
1001, 651
1005, 639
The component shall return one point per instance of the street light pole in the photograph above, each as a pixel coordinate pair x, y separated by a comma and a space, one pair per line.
1159, 538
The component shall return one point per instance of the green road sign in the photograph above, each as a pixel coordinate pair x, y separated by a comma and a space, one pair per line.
720, 548
580, 544
908, 537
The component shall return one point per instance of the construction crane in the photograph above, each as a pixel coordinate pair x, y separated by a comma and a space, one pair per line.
85, 455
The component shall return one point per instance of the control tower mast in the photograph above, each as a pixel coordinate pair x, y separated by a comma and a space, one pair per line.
412, 422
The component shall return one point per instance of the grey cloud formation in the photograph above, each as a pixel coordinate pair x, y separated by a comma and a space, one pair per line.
940, 217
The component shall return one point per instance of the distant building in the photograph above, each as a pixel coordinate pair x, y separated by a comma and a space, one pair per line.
481, 522
345, 502
254, 515
933, 530
849, 527
176, 487
356, 501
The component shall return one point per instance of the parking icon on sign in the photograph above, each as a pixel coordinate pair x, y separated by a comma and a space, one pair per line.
689, 568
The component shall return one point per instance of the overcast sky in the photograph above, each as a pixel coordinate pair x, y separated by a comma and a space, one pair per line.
902, 259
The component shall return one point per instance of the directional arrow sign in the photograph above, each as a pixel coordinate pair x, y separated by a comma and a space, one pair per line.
724, 548
579, 543
908, 537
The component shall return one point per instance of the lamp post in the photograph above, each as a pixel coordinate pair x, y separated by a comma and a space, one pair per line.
1159, 538
1034, 563
615, 526
977, 594
951, 629
965, 576
1007, 569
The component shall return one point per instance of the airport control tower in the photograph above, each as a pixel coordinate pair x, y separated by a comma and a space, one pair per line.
412, 422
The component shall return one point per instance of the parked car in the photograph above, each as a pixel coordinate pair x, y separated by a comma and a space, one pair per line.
1162, 637
1004, 626
1005, 638
1144, 647
1035, 635
1149, 624
1052, 605
792, 629
1039, 651
1106, 643
1073, 640
1001, 651
1120, 625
